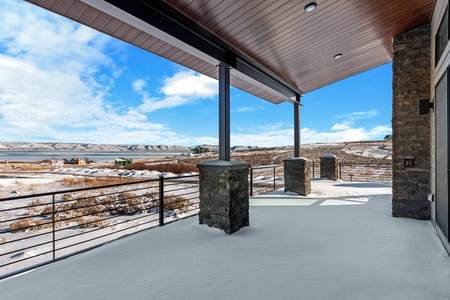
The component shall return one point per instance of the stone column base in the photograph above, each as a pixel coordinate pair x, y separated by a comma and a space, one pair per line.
224, 195
297, 175
328, 167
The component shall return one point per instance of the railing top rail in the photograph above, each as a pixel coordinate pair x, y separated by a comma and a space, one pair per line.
366, 163
264, 167
92, 188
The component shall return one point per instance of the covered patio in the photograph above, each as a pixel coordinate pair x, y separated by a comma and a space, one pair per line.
345, 246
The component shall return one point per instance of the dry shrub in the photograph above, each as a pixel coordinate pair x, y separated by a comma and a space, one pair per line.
35, 207
21, 225
176, 203
94, 181
91, 221
176, 168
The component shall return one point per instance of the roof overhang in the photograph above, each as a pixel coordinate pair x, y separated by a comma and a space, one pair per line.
276, 50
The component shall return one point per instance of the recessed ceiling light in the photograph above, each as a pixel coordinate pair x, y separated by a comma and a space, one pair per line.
310, 7
339, 55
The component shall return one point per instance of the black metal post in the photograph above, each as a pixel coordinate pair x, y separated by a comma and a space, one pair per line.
313, 171
274, 177
297, 126
251, 182
224, 112
54, 226
161, 201
340, 170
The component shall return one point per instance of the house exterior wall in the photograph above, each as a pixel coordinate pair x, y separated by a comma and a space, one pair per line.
411, 157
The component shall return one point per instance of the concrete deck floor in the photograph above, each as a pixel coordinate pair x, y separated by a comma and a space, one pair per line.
295, 248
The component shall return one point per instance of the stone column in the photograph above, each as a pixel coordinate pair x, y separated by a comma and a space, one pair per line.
224, 195
297, 175
411, 143
328, 167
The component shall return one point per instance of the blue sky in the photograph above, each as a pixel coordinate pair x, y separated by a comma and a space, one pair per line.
63, 82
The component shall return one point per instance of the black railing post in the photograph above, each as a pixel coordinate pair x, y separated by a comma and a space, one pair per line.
274, 177
313, 171
251, 182
340, 170
54, 226
161, 201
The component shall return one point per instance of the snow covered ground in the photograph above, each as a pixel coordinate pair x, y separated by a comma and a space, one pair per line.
338, 243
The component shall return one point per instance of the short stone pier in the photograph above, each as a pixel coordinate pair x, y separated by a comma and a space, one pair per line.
297, 175
224, 195
328, 167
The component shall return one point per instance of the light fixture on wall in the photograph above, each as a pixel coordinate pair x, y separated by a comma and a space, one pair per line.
310, 7
424, 106
336, 56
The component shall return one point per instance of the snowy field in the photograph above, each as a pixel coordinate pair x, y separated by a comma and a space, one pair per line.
338, 243
24, 248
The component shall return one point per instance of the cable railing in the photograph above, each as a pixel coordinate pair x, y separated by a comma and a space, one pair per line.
42, 228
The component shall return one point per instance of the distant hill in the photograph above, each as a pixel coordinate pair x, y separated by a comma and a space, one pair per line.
11, 146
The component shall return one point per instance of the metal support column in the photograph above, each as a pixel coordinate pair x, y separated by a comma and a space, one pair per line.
224, 112
297, 126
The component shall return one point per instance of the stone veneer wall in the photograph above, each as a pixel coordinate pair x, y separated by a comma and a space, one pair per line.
411, 131
224, 195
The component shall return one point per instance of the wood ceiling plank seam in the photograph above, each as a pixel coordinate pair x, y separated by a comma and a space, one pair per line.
230, 29
77, 10
101, 21
47, 4
231, 16
168, 51
195, 66
89, 16
202, 16
149, 42
241, 34
122, 31
176, 55
140, 39
132, 35
189, 11
112, 26
62, 6
165, 48
158, 44
220, 12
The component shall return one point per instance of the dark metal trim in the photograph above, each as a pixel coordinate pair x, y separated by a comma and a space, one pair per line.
164, 17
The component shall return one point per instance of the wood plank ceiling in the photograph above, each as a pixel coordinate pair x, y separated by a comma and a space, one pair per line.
295, 45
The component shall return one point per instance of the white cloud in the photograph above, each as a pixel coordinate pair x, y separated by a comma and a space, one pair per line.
182, 88
359, 115
282, 134
55, 75
139, 85
245, 109
341, 126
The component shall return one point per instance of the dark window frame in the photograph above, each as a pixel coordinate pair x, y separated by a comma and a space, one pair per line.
442, 35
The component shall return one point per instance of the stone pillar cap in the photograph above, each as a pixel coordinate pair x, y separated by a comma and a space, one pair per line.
328, 156
296, 158
224, 164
